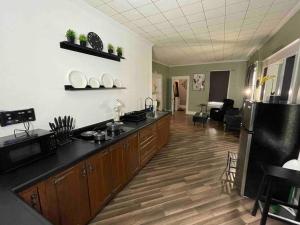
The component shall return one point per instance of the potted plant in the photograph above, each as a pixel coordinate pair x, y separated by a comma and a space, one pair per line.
110, 48
71, 35
120, 51
82, 40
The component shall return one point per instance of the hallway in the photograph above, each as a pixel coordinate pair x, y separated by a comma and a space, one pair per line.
181, 184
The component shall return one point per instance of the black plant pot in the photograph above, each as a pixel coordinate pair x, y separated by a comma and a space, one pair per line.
120, 54
71, 39
110, 51
83, 43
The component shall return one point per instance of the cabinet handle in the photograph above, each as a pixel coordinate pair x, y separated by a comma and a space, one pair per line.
83, 172
90, 168
58, 180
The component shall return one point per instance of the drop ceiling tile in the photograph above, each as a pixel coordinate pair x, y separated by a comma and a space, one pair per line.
195, 17
165, 5
235, 8
187, 2
236, 16
138, 3
216, 20
178, 21
132, 15
107, 10
142, 22
149, 29
120, 5
212, 13
200, 24
192, 9
158, 18
148, 10
212, 4
173, 14
260, 3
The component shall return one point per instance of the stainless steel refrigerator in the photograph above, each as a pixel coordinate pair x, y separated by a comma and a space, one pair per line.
270, 134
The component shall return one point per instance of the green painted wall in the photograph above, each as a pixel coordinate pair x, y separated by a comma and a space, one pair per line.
165, 72
287, 34
236, 81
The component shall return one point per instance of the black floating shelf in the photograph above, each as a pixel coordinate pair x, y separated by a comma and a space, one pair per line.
70, 88
90, 51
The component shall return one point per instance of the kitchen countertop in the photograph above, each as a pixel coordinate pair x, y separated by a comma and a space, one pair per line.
13, 211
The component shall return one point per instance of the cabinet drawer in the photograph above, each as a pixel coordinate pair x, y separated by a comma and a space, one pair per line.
147, 133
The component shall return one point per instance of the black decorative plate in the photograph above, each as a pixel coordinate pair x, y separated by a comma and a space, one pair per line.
95, 41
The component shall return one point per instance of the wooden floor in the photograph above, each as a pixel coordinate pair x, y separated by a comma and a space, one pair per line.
181, 184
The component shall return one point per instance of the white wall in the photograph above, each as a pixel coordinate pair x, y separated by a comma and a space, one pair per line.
33, 69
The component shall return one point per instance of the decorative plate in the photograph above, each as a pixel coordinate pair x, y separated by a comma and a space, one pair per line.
117, 83
77, 79
94, 83
95, 41
107, 81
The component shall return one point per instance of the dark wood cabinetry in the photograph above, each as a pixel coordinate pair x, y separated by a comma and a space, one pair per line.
76, 195
131, 156
99, 170
31, 197
163, 131
118, 176
65, 197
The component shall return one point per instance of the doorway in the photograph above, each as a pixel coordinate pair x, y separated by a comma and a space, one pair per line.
180, 94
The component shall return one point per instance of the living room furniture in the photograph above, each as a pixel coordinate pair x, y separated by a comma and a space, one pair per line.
232, 119
218, 113
200, 117
274, 176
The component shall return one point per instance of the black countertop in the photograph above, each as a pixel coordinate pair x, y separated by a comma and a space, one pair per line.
13, 211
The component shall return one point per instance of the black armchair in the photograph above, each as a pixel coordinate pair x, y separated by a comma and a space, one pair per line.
218, 113
232, 119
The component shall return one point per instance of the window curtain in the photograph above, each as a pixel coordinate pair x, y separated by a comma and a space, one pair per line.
218, 85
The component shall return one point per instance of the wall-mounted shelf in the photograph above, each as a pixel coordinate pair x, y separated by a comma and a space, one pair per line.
70, 88
86, 50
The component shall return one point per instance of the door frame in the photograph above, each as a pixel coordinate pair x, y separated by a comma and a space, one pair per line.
187, 92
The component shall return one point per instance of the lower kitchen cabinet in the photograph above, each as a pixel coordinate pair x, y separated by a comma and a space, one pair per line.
76, 195
99, 169
131, 156
163, 131
65, 197
118, 176
31, 197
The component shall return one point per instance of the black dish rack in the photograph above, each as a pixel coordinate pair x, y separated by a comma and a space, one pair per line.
134, 116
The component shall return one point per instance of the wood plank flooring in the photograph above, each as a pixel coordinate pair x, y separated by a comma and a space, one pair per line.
181, 184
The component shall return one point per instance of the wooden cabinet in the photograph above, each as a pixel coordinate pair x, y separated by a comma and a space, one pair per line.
66, 197
131, 156
99, 169
118, 178
147, 143
76, 195
31, 197
163, 131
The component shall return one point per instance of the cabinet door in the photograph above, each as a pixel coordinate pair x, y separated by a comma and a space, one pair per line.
99, 179
163, 131
31, 197
131, 156
117, 166
66, 197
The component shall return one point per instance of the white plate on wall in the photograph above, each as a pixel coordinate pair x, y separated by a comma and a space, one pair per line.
117, 83
94, 83
107, 80
77, 79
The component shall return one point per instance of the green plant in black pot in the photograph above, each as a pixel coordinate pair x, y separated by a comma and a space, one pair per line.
120, 51
71, 35
82, 40
111, 49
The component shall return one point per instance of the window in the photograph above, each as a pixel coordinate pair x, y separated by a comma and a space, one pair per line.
218, 85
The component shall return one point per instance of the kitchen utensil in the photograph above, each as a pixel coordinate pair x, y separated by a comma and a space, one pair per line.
114, 126
62, 128
94, 83
99, 136
88, 135
77, 79
95, 41
117, 83
107, 81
